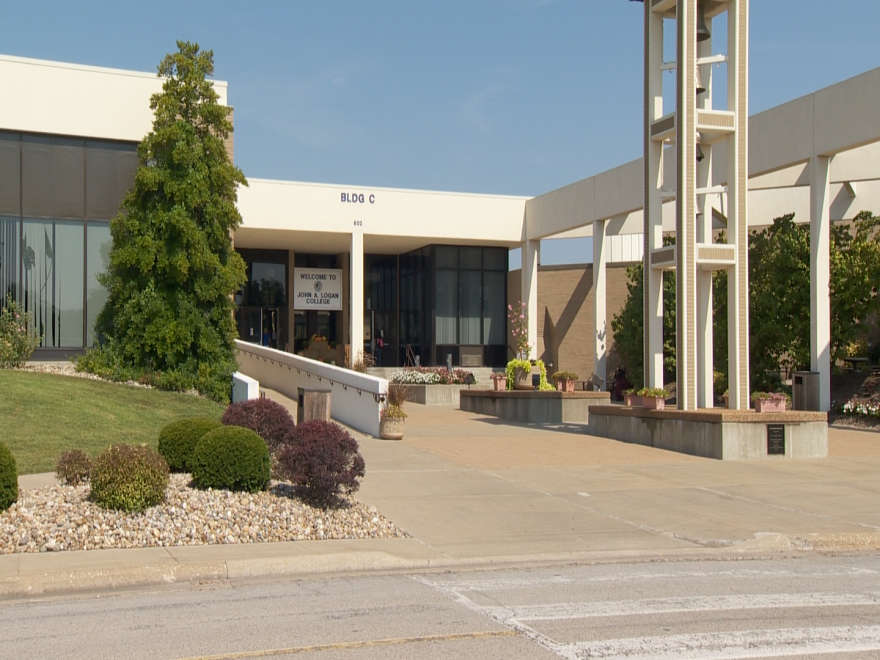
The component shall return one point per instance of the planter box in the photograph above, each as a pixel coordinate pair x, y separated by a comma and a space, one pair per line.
653, 402
565, 386
499, 384
436, 395
522, 379
630, 400
770, 405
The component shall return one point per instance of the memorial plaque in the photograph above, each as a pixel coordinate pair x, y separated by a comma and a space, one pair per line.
776, 439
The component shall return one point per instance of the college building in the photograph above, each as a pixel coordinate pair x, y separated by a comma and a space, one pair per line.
425, 271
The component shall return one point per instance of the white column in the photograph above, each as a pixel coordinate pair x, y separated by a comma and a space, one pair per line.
653, 217
600, 367
357, 293
820, 277
705, 334
531, 255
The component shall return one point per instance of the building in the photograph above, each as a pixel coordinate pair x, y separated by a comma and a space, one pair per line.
425, 270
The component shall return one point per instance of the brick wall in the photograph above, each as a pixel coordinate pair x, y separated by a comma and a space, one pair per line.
565, 314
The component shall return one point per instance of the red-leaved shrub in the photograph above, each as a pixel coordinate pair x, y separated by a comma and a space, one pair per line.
269, 419
321, 460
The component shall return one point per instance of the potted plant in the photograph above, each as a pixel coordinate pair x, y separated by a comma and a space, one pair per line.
499, 382
630, 398
391, 422
770, 401
653, 398
519, 375
392, 416
565, 380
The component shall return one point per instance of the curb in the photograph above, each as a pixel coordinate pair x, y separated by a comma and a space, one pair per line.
163, 569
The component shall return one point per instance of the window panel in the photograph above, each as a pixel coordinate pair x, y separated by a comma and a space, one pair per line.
10, 174
126, 166
52, 255
471, 258
9, 261
101, 160
494, 309
446, 306
98, 243
470, 303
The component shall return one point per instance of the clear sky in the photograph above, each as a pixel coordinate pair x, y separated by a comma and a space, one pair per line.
516, 97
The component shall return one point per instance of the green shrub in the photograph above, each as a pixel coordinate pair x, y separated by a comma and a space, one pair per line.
231, 458
73, 467
321, 459
129, 478
178, 440
16, 341
8, 478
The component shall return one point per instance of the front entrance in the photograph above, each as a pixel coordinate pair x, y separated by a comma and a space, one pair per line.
262, 302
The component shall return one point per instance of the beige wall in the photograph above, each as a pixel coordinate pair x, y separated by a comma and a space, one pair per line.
565, 308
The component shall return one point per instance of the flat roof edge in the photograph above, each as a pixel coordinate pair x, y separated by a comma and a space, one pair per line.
415, 191
89, 68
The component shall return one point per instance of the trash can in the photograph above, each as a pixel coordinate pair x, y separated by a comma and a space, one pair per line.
313, 404
805, 390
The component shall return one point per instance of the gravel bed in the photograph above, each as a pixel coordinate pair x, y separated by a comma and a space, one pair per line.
59, 518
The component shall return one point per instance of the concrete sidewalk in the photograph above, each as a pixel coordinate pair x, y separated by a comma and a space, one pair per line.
473, 491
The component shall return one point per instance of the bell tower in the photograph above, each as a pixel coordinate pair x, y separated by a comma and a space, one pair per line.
696, 157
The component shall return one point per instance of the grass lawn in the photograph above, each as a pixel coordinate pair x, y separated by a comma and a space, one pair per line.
42, 415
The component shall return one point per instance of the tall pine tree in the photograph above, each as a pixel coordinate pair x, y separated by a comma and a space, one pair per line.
169, 316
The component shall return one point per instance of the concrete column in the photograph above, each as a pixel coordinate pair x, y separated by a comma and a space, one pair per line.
820, 277
357, 293
653, 215
685, 207
531, 256
600, 367
291, 314
737, 205
705, 320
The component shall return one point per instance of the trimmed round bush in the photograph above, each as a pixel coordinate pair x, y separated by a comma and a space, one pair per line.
178, 440
8, 478
231, 458
269, 419
322, 460
129, 478
73, 467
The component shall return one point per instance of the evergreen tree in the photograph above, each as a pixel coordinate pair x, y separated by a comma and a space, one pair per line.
169, 316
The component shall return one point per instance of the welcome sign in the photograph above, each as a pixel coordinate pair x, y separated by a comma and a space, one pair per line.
317, 288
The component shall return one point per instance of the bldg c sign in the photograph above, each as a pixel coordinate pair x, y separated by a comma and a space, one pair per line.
317, 288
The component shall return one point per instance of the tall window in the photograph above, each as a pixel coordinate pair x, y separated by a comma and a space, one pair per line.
57, 195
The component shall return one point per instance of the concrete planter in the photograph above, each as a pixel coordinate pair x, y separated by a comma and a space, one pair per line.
522, 379
653, 402
391, 428
770, 405
434, 395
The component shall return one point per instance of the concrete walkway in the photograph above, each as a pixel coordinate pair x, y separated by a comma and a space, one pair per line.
474, 491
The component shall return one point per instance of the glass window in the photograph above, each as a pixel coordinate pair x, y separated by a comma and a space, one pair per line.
98, 242
101, 160
10, 174
471, 258
9, 264
470, 303
52, 256
446, 256
494, 307
126, 165
495, 258
53, 177
446, 306
267, 285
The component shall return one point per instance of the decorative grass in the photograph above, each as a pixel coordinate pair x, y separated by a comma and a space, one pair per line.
42, 415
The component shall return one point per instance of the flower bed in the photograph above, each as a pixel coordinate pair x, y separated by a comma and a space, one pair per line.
431, 376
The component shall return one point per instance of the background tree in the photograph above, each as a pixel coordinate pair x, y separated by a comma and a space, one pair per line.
169, 315
779, 300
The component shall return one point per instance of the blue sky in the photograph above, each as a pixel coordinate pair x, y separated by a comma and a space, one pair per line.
516, 97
